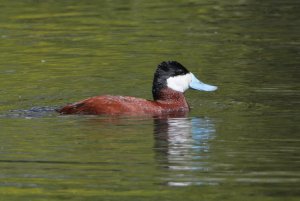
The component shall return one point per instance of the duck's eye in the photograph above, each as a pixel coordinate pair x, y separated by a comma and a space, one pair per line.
180, 72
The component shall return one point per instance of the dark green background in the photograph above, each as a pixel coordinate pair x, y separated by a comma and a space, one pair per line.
238, 143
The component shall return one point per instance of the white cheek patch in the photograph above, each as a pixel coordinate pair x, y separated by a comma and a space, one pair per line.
180, 82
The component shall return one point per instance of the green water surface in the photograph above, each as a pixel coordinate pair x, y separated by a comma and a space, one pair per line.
238, 143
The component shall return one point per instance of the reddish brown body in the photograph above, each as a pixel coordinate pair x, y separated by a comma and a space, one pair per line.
168, 102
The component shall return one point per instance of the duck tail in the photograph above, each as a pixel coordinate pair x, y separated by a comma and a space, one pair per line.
70, 109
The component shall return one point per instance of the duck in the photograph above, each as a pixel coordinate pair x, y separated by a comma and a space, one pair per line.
171, 80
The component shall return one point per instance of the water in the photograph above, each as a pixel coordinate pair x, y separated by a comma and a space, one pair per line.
239, 143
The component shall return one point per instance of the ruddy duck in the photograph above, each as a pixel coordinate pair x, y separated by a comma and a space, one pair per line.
171, 80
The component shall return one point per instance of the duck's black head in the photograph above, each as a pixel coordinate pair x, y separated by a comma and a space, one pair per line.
175, 76
164, 71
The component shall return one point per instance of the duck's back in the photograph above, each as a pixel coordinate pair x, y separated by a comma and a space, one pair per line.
112, 105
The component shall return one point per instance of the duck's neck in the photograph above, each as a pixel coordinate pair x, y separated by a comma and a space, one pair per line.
171, 96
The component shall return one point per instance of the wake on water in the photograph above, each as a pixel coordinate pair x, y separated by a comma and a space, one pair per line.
34, 112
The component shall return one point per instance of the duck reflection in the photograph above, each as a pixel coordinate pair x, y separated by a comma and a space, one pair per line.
182, 146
